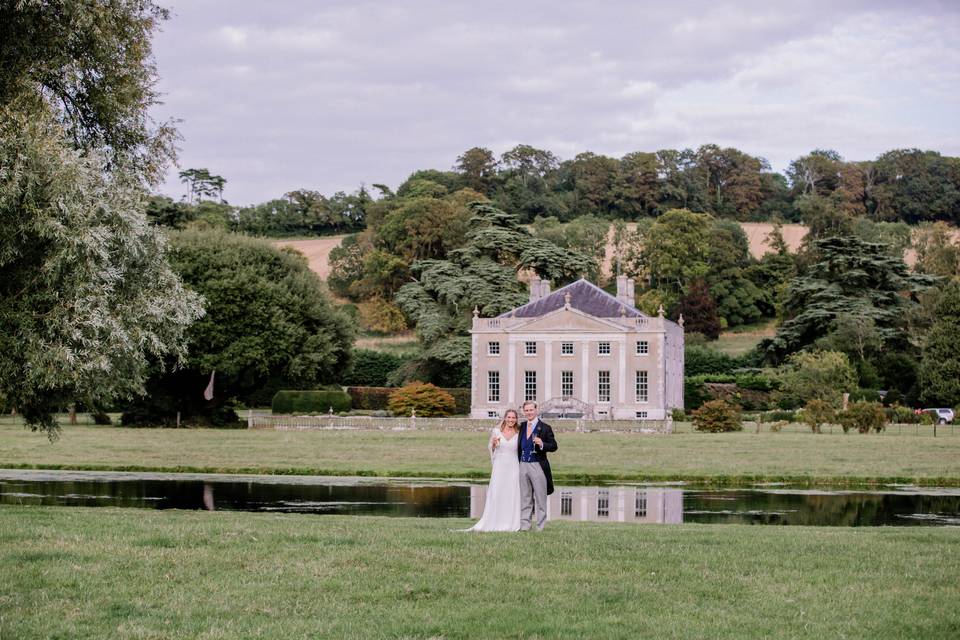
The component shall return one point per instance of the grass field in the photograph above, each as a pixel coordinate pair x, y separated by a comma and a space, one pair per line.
583, 457
112, 573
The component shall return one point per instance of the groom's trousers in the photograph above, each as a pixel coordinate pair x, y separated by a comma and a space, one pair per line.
533, 494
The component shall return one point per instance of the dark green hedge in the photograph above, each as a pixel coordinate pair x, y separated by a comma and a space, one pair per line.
701, 360
312, 402
370, 398
371, 368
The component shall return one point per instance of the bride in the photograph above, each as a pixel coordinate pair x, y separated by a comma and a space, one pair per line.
502, 509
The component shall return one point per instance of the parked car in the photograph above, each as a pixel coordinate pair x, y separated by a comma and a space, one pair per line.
941, 415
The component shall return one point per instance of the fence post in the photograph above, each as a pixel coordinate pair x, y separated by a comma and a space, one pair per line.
249, 418
413, 419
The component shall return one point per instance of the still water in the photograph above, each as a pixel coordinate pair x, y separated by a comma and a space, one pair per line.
673, 503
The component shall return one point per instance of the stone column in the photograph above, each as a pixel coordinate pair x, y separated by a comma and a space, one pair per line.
547, 370
511, 372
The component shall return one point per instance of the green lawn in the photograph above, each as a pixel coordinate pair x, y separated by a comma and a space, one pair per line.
583, 457
113, 573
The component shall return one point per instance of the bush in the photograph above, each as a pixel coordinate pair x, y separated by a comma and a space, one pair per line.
679, 415
902, 415
818, 412
371, 368
717, 416
310, 402
863, 416
424, 398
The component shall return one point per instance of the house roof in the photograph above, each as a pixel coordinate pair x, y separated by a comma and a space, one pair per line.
585, 296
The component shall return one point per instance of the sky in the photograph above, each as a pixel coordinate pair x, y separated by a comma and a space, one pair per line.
328, 94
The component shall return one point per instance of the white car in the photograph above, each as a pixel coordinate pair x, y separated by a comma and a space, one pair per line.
942, 416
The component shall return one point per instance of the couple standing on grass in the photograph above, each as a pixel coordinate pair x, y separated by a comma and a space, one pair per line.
520, 480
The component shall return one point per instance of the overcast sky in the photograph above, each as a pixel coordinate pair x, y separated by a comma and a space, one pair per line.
329, 94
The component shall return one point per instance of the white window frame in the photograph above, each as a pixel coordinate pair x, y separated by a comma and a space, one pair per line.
643, 347
604, 346
530, 348
567, 384
493, 386
640, 504
493, 348
641, 386
603, 503
566, 349
529, 384
603, 385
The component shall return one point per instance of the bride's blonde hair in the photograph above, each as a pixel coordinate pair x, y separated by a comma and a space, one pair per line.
516, 424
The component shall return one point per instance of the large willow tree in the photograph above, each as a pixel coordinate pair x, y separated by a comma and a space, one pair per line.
87, 296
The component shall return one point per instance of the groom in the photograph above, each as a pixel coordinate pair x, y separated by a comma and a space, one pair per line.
536, 481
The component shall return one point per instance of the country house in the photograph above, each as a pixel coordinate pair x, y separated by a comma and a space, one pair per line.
578, 352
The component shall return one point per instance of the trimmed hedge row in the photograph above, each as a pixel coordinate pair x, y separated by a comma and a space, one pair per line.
310, 402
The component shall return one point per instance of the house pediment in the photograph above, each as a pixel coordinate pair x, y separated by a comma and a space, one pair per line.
567, 320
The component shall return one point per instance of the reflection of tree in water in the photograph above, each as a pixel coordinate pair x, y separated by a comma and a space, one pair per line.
844, 510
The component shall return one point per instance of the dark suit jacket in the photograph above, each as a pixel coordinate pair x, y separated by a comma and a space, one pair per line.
545, 433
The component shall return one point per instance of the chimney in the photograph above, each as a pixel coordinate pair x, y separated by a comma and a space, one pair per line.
625, 291
544, 288
535, 289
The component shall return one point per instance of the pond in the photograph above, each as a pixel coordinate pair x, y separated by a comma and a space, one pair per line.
662, 503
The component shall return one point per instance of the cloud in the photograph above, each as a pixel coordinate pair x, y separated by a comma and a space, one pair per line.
331, 95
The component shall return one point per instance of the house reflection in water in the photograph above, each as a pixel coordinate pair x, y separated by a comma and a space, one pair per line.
602, 504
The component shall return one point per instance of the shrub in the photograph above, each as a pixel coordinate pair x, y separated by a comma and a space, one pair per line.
717, 416
371, 368
818, 412
426, 399
863, 416
902, 415
310, 402
679, 415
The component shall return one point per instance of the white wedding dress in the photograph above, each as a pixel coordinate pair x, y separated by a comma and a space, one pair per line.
501, 511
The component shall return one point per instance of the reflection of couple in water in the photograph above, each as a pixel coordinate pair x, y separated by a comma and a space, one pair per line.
520, 480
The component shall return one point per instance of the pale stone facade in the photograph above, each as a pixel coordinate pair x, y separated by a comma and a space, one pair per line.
602, 504
578, 351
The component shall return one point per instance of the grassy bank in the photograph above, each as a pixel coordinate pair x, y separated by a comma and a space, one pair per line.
113, 573
716, 458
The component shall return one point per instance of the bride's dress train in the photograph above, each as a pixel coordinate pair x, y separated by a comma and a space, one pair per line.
501, 511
